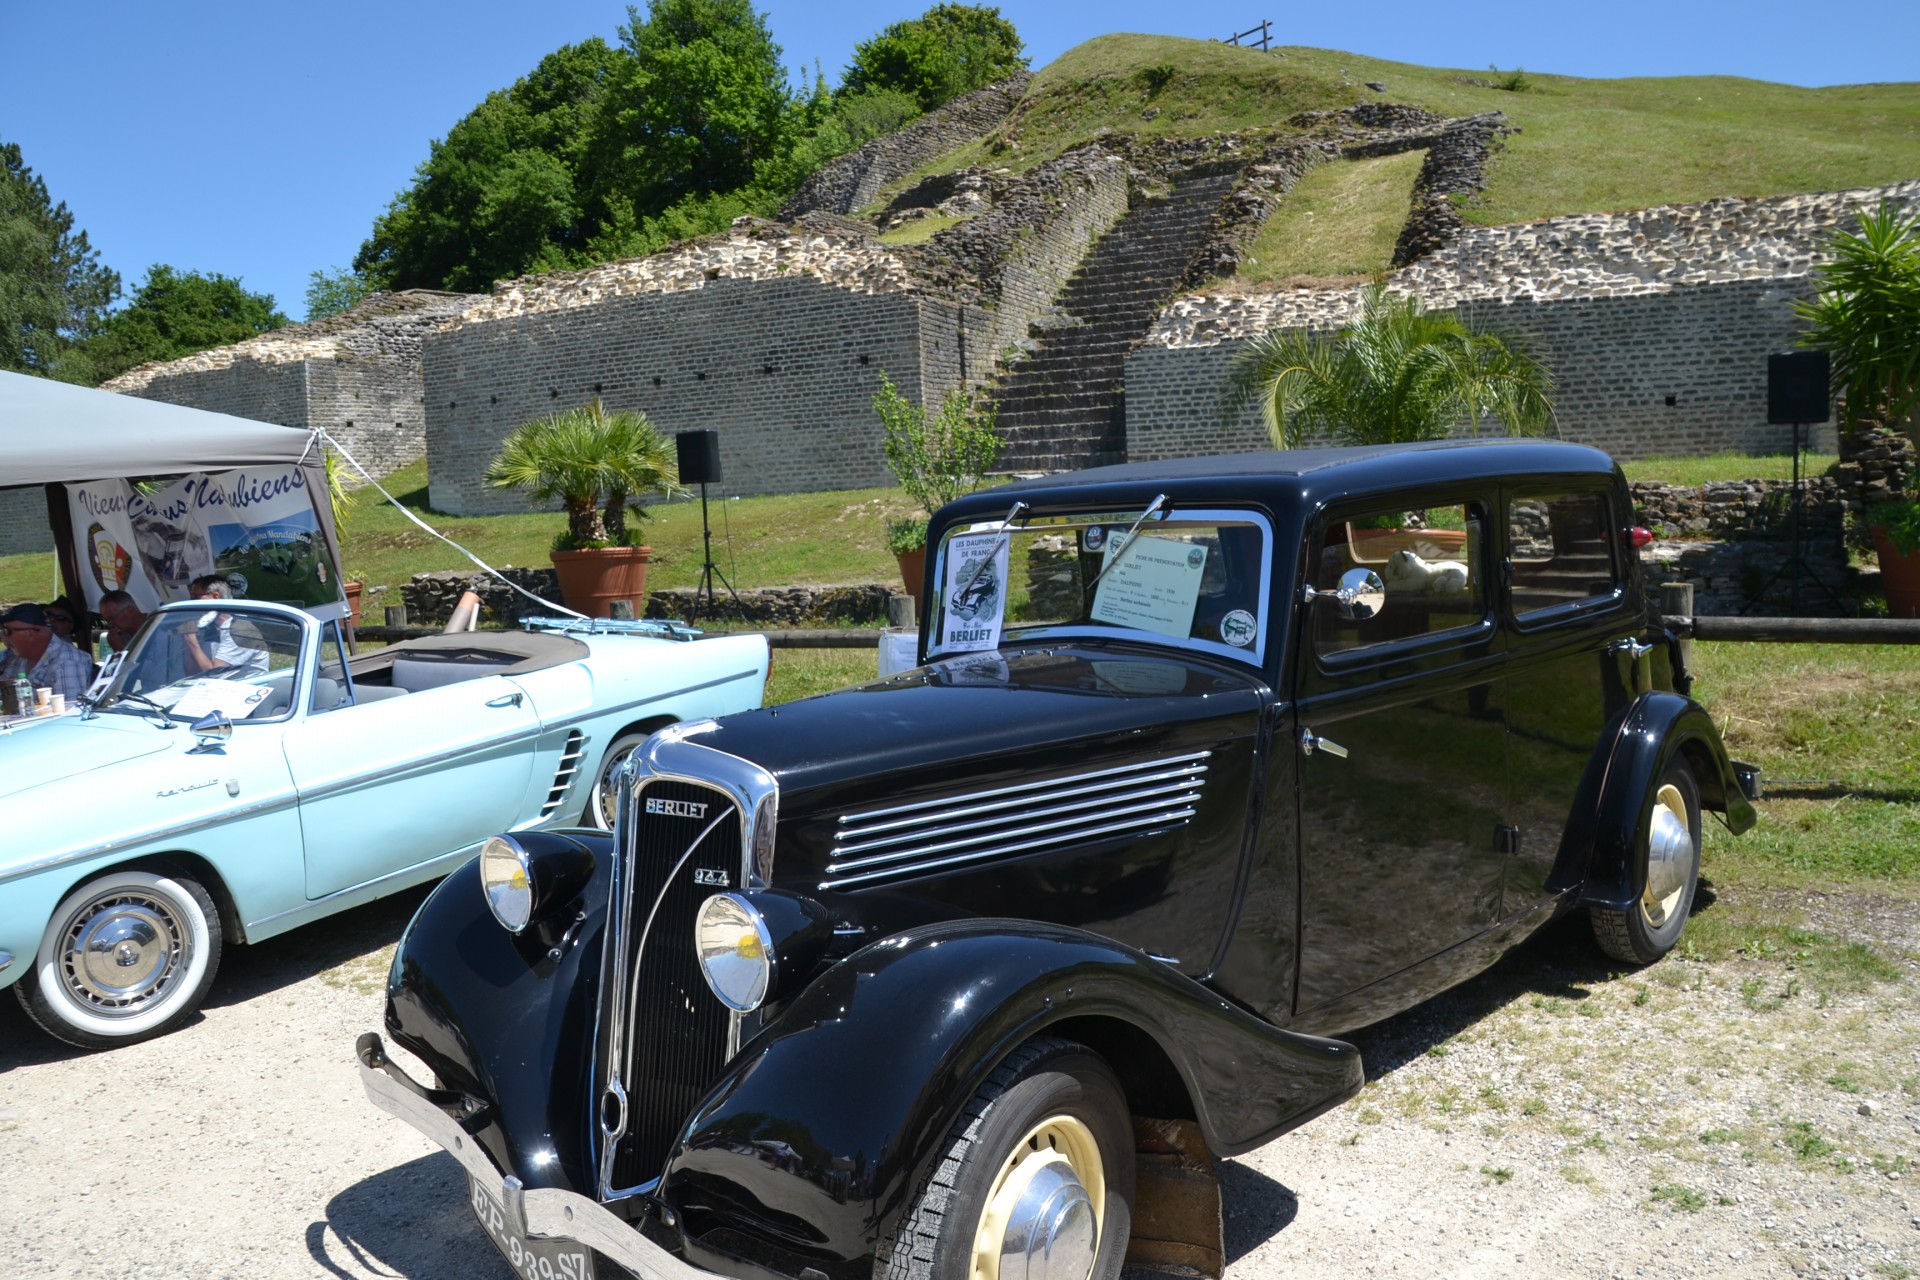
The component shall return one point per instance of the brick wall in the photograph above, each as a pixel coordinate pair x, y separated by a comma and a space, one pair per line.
1617, 360
355, 376
784, 369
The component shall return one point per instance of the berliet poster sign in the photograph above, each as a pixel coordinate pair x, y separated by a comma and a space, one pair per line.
255, 526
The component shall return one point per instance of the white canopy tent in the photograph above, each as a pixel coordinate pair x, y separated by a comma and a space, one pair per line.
53, 434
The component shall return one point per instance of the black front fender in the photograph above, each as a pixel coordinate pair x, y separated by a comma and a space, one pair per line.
1601, 854
824, 1127
507, 1019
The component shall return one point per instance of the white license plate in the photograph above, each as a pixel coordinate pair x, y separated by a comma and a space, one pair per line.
533, 1259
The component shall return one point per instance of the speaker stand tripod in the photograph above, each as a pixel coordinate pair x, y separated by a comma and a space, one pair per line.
709, 571
1795, 563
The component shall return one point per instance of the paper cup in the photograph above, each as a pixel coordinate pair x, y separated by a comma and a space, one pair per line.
41, 697
59, 703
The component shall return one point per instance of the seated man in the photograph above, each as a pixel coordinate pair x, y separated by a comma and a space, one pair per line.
221, 642
49, 661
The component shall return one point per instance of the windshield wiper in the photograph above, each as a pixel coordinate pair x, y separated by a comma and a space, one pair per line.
1126, 539
1013, 513
166, 717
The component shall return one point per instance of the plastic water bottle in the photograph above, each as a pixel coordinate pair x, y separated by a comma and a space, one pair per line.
23, 693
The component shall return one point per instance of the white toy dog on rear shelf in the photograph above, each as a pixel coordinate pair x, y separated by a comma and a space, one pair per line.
1406, 571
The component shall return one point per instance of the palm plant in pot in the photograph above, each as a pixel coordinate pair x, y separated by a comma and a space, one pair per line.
936, 458
1395, 373
1867, 316
594, 463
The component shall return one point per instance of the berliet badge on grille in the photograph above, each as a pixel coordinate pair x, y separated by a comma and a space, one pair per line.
676, 808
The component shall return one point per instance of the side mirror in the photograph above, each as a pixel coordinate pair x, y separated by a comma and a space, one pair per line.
213, 729
1360, 595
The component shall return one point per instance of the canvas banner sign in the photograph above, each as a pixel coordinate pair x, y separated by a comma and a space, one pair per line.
256, 527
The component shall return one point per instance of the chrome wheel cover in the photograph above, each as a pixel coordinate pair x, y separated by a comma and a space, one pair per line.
1670, 855
123, 952
1046, 1208
606, 784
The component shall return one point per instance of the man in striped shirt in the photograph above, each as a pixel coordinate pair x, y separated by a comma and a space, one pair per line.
49, 661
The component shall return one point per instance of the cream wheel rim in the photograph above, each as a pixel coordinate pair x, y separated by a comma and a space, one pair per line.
1033, 1203
1669, 856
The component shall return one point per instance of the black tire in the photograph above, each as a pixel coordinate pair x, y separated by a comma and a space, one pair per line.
600, 800
1651, 927
1045, 1099
154, 943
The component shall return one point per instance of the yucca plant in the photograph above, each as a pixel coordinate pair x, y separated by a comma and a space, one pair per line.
1867, 315
592, 462
1396, 373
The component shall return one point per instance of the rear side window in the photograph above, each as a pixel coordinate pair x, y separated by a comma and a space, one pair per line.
1562, 552
1432, 562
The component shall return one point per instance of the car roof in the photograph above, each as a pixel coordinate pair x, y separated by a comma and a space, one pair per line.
1312, 475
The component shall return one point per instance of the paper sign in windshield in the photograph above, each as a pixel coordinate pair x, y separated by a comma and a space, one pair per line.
976, 592
202, 696
1150, 583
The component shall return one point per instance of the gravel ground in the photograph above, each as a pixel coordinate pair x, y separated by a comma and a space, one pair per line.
1549, 1117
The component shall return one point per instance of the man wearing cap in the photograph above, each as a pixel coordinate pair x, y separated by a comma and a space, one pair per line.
49, 661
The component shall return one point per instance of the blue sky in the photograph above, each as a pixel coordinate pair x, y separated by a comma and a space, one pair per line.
261, 139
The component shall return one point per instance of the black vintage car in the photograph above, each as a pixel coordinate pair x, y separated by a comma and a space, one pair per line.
1208, 761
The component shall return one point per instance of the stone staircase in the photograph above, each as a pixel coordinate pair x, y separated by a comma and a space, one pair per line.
1063, 406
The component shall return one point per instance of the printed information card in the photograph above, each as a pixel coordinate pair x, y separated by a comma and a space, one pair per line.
1150, 583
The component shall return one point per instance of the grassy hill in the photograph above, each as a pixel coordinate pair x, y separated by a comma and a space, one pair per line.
1583, 146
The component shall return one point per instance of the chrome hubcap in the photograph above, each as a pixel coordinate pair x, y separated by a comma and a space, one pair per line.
119, 953
1043, 1215
1669, 856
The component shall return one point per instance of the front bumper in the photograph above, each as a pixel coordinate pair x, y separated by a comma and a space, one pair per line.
544, 1211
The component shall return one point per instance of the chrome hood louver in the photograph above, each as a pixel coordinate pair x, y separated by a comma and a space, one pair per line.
884, 846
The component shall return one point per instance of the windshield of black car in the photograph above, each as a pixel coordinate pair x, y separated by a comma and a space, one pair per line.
189, 662
1193, 579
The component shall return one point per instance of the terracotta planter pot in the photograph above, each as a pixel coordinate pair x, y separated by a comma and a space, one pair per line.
352, 592
913, 572
1899, 575
590, 581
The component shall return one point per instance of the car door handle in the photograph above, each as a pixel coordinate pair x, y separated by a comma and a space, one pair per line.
1631, 647
506, 700
1310, 744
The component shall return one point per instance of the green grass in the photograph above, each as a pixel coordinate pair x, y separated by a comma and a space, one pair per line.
920, 230
1584, 146
757, 542
1341, 220
1727, 466
802, 673
1836, 730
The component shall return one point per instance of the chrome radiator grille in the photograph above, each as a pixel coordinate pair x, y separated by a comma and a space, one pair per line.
884, 846
674, 1032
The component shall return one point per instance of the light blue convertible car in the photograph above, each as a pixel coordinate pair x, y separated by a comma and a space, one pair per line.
241, 774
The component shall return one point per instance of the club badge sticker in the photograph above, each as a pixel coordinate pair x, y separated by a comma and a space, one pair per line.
975, 595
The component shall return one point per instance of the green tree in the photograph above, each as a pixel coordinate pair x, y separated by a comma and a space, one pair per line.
1867, 314
949, 50
699, 101
1396, 373
935, 457
174, 314
592, 462
331, 292
53, 290
502, 193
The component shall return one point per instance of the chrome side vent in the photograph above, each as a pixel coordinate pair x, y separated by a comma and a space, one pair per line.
884, 846
570, 758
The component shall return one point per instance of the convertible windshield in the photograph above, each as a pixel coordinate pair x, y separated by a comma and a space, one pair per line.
188, 662
1197, 579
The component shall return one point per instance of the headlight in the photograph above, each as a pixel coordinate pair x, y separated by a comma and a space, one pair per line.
736, 951
506, 873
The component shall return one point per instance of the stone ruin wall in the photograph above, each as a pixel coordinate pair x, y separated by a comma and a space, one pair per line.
856, 179
355, 375
773, 335
1656, 322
